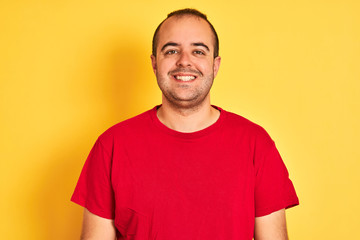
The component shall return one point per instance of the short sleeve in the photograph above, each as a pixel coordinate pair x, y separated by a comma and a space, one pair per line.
94, 189
273, 188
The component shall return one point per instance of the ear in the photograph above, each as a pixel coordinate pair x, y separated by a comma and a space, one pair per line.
217, 61
153, 63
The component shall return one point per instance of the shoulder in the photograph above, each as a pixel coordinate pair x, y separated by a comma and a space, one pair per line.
127, 128
241, 130
235, 122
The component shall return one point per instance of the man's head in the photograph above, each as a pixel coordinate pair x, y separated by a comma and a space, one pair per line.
181, 13
183, 59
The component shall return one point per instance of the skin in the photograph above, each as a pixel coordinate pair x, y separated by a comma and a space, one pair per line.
97, 228
271, 227
185, 50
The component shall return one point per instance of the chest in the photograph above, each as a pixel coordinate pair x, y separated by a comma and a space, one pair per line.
169, 186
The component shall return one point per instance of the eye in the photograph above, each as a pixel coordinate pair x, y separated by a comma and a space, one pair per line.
170, 52
198, 52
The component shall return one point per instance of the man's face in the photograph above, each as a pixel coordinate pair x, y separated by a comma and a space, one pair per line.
184, 64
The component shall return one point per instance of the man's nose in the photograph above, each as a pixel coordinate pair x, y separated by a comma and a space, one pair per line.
184, 60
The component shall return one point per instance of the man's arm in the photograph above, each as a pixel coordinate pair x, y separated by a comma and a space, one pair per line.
97, 228
271, 227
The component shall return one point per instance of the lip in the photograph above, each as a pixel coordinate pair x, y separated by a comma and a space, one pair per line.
184, 72
184, 77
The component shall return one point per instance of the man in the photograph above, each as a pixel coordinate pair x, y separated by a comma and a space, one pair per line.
185, 169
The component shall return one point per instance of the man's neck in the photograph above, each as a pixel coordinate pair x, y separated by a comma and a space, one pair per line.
188, 119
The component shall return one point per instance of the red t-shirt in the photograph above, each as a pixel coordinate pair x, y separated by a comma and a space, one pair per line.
160, 184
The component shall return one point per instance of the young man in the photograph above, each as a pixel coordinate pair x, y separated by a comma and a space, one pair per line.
185, 169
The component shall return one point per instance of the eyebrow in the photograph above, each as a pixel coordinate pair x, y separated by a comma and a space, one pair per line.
198, 44
169, 44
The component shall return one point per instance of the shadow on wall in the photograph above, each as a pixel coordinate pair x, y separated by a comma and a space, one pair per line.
132, 81
125, 83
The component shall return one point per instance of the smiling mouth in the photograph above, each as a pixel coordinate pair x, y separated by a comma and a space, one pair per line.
184, 78
185, 74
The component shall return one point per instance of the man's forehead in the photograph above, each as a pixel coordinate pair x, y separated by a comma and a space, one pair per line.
194, 26
175, 21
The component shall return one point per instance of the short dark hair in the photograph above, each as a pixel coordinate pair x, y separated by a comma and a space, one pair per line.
182, 12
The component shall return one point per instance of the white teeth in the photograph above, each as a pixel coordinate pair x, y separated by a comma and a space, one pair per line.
185, 78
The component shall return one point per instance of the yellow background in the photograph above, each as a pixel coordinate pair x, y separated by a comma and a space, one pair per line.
70, 69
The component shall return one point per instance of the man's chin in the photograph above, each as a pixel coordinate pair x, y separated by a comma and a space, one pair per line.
189, 102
